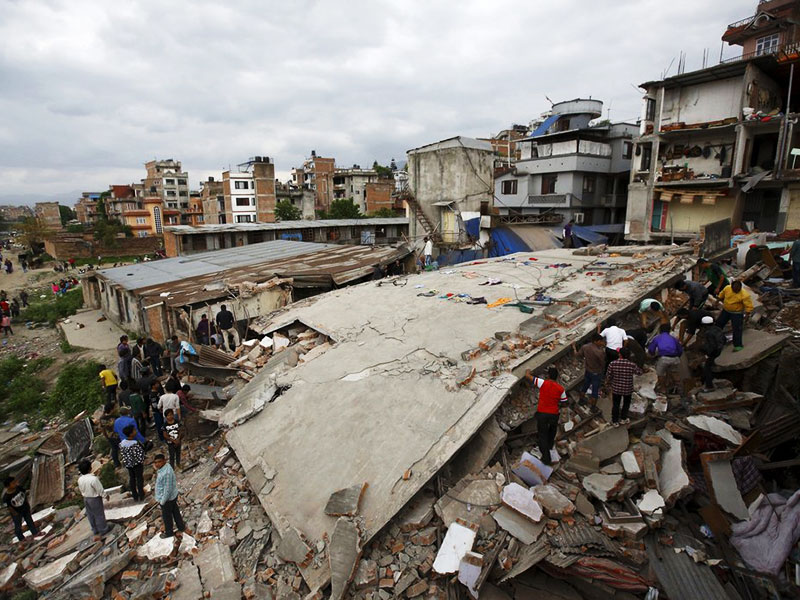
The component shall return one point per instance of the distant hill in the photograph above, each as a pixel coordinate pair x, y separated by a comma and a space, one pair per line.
65, 198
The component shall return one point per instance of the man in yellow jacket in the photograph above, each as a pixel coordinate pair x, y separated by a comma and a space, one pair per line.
736, 303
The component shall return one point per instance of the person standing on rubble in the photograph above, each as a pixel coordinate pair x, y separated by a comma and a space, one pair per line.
620, 379
569, 241
203, 330
615, 338
551, 395
650, 307
132, 453
173, 435
794, 256
109, 381
736, 305
594, 361
92, 491
226, 323
153, 352
16, 498
697, 292
174, 351
668, 351
714, 273
713, 343
167, 496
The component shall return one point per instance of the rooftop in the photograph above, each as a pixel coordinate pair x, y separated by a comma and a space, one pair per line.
454, 142
283, 225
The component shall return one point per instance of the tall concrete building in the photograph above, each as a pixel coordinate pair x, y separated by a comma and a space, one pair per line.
317, 174
167, 180
249, 192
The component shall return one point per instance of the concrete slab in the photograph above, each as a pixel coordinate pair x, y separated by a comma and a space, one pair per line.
42, 578
189, 579
553, 502
344, 503
407, 415
673, 480
477, 453
78, 533
722, 484
607, 443
216, 567
343, 555
603, 487
456, 543
757, 345
125, 512
93, 335
465, 501
157, 548
469, 571
532, 470
525, 530
718, 427
520, 499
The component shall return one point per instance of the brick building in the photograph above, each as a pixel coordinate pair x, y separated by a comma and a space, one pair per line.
48, 215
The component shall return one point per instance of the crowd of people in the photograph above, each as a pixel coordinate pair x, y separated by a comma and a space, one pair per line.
613, 356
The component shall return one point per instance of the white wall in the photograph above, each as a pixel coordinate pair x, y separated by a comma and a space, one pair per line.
703, 102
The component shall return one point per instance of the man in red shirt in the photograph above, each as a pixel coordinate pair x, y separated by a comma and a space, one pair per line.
551, 395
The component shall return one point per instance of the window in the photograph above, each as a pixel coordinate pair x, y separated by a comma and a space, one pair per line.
141, 220
242, 185
627, 150
767, 44
244, 219
510, 187
647, 152
183, 193
169, 182
589, 182
142, 234
649, 109
181, 182
157, 219
200, 218
171, 193
549, 184
243, 202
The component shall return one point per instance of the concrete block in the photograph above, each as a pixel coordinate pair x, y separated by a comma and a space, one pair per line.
457, 542
651, 503
345, 502
469, 571
603, 487
157, 548
417, 513
521, 500
607, 443
9, 575
673, 479
42, 578
525, 530
216, 566
343, 555
531, 470
366, 575
630, 464
553, 502
294, 548
188, 578
717, 427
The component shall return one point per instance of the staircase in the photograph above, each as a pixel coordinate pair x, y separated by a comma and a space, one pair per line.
432, 231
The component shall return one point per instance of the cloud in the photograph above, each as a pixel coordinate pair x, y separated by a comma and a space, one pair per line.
93, 90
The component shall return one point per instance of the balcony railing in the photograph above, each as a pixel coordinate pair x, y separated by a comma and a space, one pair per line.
550, 199
782, 53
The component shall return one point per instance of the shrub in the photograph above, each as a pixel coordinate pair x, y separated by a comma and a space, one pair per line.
21, 393
77, 389
54, 308
108, 476
101, 446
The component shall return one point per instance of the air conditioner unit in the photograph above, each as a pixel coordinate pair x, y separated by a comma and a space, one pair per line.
578, 218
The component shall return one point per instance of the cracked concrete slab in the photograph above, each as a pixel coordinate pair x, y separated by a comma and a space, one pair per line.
345, 503
409, 405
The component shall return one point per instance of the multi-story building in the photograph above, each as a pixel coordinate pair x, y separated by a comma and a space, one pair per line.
317, 174
720, 143
352, 183
86, 208
48, 214
248, 193
571, 166
300, 198
15, 213
505, 142
450, 183
378, 195
213, 200
167, 180
194, 214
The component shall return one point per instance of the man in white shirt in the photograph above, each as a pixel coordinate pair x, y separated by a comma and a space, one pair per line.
615, 338
428, 251
172, 401
92, 491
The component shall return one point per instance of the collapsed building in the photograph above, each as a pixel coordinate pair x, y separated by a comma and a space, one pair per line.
379, 443
168, 297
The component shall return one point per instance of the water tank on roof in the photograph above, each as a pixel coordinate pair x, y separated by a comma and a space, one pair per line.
579, 106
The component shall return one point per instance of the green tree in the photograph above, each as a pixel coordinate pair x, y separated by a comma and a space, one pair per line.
382, 213
67, 214
383, 172
101, 209
107, 231
286, 211
34, 233
343, 208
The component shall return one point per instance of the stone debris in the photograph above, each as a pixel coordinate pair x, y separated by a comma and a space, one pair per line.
554, 503
344, 554
157, 548
44, 577
469, 571
345, 503
603, 487
457, 542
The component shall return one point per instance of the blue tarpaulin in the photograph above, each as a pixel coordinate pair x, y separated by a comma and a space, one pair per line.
455, 257
505, 241
473, 227
588, 235
542, 129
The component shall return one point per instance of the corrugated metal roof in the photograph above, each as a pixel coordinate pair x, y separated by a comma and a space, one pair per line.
284, 225
333, 265
47, 480
167, 270
682, 578
529, 556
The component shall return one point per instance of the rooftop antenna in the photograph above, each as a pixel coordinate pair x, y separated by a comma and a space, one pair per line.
550, 101
669, 66
608, 116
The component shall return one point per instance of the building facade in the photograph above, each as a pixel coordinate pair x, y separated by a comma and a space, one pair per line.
570, 166
86, 208
167, 180
48, 214
213, 200
249, 192
721, 142
317, 174
449, 183
301, 198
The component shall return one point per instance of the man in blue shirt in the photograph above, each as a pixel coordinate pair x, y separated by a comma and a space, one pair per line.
123, 421
167, 496
668, 350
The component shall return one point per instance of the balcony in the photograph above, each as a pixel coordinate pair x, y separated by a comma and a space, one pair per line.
551, 200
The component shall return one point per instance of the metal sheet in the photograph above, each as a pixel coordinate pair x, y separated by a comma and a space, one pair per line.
284, 225
47, 480
681, 577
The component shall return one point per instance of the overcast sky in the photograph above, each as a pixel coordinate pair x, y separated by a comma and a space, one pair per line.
89, 91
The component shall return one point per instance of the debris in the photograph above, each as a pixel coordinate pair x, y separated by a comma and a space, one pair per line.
522, 501
717, 427
41, 578
469, 571
457, 542
651, 503
603, 487
673, 480
343, 555
607, 443
522, 528
554, 503
345, 502
157, 548
531, 470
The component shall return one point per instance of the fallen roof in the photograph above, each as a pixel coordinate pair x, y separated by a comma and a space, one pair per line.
330, 267
284, 225
382, 405
167, 270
